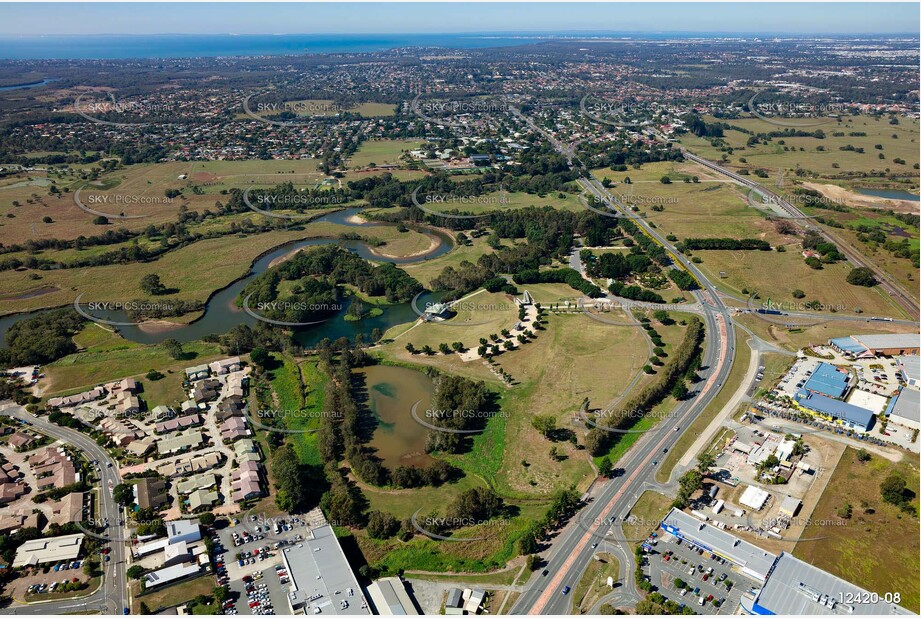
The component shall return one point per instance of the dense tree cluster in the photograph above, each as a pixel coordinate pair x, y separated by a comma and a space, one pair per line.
726, 244
41, 339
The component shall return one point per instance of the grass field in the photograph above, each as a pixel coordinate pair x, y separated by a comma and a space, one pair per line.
649, 510
773, 156
505, 200
865, 548
133, 190
594, 581
382, 152
105, 356
176, 594
429, 269
756, 271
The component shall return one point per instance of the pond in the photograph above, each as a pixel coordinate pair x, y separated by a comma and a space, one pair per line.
889, 194
391, 393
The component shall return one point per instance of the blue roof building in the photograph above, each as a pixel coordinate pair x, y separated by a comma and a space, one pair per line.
849, 415
828, 380
847, 345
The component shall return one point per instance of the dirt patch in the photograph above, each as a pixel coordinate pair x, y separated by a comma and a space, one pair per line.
859, 200
205, 177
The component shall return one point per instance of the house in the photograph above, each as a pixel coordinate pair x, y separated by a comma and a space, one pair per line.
205, 391
21, 441
233, 428
227, 365
188, 485
232, 405
180, 443
140, 448
194, 462
10, 524
74, 400
198, 372
179, 422
151, 493
69, 509
170, 574
202, 500
245, 481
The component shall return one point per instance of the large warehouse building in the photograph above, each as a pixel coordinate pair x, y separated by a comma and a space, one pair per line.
752, 560
322, 581
864, 346
796, 588
848, 415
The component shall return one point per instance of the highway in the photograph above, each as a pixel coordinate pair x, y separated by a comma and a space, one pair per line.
112, 596
571, 551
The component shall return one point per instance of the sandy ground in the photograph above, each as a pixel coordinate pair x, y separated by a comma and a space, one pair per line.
158, 326
434, 242
858, 200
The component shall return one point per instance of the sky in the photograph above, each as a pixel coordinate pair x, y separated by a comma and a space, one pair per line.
443, 17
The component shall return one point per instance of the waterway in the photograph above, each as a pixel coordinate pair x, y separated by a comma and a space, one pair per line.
221, 312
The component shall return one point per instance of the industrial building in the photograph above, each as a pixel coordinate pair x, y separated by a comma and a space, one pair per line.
322, 581
905, 409
848, 415
390, 598
910, 368
796, 588
867, 346
829, 380
751, 559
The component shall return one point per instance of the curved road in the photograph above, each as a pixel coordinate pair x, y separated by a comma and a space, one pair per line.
112, 596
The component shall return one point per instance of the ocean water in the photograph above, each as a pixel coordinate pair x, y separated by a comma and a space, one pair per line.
194, 46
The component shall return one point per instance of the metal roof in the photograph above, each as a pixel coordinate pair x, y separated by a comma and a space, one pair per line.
910, 367
390, 598
848, 345
908, 405
795, 587
888, 340
860, 417
750, 557
318, 566
828, 380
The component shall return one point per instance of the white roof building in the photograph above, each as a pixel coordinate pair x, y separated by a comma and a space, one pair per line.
54, 549
754, 497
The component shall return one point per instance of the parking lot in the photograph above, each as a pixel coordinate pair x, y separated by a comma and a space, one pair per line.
705, 575
252, 561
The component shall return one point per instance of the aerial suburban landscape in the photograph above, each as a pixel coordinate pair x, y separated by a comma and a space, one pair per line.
542, 315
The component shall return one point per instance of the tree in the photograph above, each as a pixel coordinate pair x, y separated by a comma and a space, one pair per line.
260, 357
207, 519
894, 489
705, 461
136, 572
680, 390
220, 593
533, 562
410, 348
545, 424
862, 276
173, 348
863, 456
151, 285
123, 494
382, 525
605, 467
